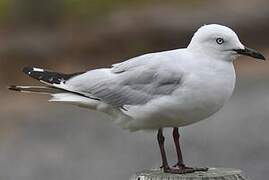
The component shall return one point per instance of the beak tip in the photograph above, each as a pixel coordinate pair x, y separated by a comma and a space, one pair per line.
250, 52
262, 57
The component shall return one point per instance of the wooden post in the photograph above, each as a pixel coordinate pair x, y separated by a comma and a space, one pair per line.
211, 174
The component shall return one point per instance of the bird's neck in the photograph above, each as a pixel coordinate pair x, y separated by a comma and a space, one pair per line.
212, 54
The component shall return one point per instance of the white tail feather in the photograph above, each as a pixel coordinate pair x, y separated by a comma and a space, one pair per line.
74, 99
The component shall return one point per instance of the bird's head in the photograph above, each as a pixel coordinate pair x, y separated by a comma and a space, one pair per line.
220, 42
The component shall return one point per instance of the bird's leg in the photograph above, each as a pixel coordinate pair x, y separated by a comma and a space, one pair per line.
180, 164
178, 149
165, 165
161, 139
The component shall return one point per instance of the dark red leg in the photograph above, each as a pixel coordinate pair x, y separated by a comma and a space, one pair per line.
178, 149
180, 164
161, 139
165, 165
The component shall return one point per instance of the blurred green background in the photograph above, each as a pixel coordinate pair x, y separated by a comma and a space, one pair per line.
41, 140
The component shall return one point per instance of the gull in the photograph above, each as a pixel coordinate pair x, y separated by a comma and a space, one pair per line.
169, 89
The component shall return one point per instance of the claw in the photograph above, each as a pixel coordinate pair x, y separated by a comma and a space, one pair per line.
183, 169
178, 171
164, 167
201, 169
180, 165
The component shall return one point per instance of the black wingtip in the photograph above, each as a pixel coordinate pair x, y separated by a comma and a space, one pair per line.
26, 70
47, 76
13, 88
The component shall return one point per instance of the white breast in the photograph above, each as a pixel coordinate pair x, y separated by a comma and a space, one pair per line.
206, 90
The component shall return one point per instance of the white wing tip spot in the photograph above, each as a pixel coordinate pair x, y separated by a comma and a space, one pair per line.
38, 69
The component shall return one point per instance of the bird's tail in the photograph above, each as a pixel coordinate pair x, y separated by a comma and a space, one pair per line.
52, 81
54, 84
35, 89
58, 95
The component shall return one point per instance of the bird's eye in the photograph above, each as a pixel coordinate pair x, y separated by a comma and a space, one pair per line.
220, 40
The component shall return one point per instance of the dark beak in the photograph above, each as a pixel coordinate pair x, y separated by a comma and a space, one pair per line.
250, 52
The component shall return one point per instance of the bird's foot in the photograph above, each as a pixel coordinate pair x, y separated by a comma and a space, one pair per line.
167, 169
184, 167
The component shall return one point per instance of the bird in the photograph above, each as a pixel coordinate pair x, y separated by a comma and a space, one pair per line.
168, 89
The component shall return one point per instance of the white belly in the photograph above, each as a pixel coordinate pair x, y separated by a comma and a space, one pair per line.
201, 95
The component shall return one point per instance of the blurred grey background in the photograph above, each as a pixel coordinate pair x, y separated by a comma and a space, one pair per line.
41, 140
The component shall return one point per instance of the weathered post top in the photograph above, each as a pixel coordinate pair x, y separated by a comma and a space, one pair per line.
211, 174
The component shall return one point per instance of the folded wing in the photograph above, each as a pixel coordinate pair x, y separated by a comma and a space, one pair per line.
132, 82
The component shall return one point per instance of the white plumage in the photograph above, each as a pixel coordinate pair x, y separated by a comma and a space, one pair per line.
165, 89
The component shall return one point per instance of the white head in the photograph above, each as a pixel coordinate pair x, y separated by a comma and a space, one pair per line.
220, 42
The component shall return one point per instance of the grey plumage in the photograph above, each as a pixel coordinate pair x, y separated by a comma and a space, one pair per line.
130, 82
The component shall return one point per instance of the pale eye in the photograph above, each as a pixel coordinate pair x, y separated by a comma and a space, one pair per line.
220, 40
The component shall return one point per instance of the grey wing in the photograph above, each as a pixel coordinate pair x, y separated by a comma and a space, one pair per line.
130, 84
